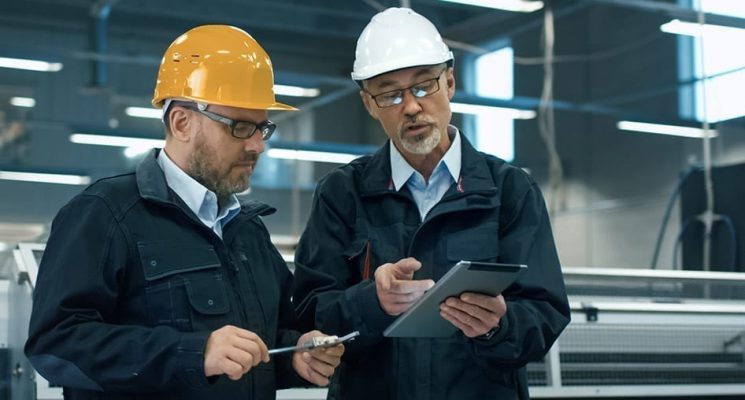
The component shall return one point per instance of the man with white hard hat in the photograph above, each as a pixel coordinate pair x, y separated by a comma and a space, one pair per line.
384, 227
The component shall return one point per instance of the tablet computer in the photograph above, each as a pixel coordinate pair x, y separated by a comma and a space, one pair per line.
423, 318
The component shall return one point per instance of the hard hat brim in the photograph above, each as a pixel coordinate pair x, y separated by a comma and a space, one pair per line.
384, 68
276, 106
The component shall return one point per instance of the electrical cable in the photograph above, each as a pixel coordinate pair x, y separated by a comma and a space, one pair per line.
546, 122
730, 230
733, 241
678, 240
668, 212
708, 215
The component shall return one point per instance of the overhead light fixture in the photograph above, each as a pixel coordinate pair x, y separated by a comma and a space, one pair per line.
282, 90
116, 141
137, 146
514, 113
661, 129
307, 155
679, 27
30, 65
27, 102
296, 91
144, 112
507, 5
134, 146
134, 151
63, 179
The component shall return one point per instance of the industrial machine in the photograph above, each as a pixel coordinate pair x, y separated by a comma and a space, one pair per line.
635, 333
648, 333
25, 383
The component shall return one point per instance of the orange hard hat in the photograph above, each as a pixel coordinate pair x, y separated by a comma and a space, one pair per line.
217, 64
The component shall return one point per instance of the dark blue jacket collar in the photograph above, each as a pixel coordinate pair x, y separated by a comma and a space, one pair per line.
474, 174
152, 185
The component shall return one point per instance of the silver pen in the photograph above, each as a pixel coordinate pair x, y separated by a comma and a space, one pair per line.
317, 342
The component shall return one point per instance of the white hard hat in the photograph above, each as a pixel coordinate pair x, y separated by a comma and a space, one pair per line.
397, 38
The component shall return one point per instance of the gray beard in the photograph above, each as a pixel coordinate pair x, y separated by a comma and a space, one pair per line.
202, 171
422, 145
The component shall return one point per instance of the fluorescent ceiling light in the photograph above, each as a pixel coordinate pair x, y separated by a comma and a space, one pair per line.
144, 112
507, 5
136, 146
317, 156
30, 65
134, 151
156, 113
673, 130
295, 91
474, 109
117, 141
695, 29
22, 102
46, 178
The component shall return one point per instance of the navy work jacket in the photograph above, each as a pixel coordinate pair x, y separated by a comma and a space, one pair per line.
495, 213
132, 283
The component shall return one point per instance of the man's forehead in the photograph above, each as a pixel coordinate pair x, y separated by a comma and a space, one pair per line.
401, 76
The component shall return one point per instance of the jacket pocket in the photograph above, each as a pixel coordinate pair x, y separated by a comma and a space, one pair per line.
366, 254
358, 256
185, 287
480, 243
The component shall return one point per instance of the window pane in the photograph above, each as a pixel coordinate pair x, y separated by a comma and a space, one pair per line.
494, 78
723, 93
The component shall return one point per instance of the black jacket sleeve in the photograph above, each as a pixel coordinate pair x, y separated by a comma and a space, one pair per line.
287, 334
72, 340
327, 293
537, 306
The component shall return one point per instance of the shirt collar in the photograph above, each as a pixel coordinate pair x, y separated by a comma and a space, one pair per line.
200, 200
401, 170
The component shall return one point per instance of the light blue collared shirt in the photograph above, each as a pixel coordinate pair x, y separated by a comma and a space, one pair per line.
199, 199
447, 171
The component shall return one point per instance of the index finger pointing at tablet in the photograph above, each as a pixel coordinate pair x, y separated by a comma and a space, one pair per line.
404, 286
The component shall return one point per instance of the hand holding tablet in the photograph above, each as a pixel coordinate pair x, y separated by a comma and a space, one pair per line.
423, 318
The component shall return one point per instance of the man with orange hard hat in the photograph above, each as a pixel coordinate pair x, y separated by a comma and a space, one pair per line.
160, 284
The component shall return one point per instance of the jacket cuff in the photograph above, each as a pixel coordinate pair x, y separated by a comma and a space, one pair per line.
501, 332
191, 359
374, 318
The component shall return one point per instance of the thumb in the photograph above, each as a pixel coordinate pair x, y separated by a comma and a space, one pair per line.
407, 266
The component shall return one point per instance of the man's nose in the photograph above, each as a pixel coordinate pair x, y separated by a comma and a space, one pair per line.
410, 104
255, 143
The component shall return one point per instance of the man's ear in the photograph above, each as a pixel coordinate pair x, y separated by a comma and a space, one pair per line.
450, 79
180, 123
369, 104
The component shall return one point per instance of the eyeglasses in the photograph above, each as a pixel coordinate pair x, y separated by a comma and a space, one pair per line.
418, 90
238, 129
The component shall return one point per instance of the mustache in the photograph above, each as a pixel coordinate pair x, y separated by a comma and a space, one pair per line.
416, 120
250, 157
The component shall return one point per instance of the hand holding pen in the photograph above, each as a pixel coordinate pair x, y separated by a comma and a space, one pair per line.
316, 355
